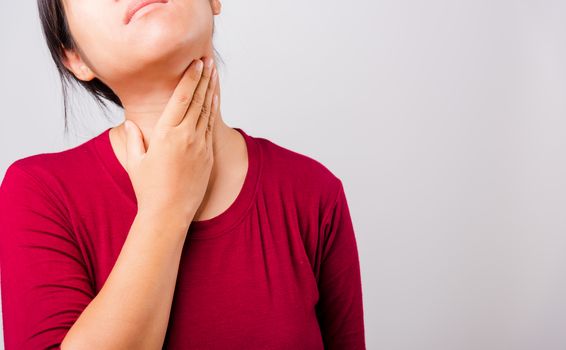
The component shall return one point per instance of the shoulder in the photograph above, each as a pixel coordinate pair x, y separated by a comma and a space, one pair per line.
53, 171
298, 171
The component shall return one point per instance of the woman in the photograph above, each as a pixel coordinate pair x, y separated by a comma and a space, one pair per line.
172, 230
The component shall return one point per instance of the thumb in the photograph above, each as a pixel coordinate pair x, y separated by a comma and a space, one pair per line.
135, 147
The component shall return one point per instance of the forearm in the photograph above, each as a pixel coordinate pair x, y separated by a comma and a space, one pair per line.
132, 309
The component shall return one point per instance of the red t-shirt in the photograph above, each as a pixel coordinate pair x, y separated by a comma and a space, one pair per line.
278, 269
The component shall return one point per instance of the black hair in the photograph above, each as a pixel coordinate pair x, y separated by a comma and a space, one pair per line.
58, 36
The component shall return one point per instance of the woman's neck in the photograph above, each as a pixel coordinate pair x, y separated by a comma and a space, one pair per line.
228, 147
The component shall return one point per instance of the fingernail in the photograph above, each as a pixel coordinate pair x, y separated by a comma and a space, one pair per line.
210, 62
199, 65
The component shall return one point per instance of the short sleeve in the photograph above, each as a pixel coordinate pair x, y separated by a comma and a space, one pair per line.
340, 308
44, 282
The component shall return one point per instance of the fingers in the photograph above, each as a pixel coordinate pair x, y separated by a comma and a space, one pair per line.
199, 96
182, 96
206, 111
209, 132
215, 111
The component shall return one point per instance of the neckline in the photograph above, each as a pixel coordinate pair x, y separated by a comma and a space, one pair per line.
200, 229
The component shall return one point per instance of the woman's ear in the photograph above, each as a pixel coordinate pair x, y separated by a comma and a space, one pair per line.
216, 7
74, 63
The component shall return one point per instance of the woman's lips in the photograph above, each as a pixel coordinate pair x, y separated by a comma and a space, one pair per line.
136, 5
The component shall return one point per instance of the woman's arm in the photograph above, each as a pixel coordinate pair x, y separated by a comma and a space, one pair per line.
48, 297
340, 306
132, 309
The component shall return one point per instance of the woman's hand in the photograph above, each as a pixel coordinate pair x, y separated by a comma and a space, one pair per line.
172, 176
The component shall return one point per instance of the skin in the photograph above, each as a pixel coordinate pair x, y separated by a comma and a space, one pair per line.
142, 62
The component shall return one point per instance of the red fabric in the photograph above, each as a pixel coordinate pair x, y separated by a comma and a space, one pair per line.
278, 269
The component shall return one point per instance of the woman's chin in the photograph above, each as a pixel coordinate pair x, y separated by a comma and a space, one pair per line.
165, 40
162, 62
